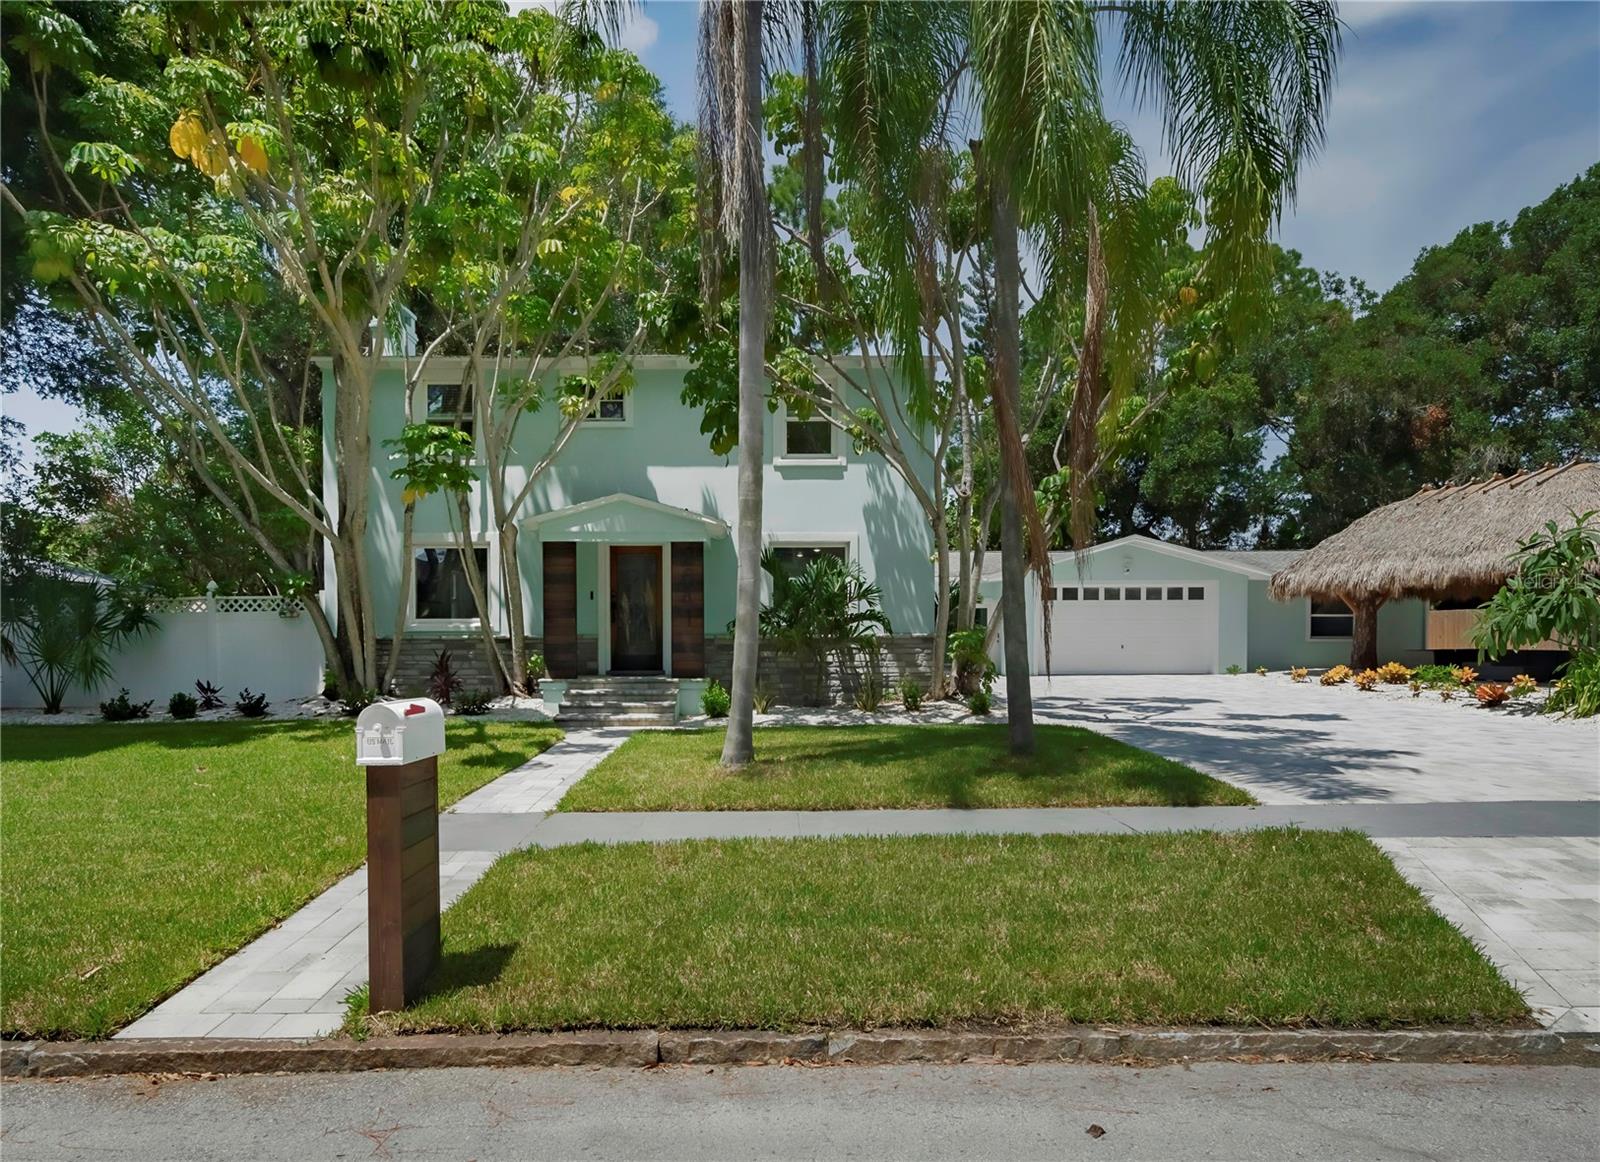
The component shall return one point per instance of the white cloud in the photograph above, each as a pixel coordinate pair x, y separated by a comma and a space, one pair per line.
639, 34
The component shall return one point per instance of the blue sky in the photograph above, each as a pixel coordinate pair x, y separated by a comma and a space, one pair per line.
1444, 114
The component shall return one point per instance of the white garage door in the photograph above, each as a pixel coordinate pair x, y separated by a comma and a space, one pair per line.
1166, 627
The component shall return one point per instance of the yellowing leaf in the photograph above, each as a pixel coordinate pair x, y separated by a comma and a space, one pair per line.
187, 136
571, 192
212, 159
252, 154
550, 246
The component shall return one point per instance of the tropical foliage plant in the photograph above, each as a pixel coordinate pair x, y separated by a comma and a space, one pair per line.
829, 608
63, 632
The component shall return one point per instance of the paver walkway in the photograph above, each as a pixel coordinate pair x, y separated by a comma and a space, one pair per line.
293, 980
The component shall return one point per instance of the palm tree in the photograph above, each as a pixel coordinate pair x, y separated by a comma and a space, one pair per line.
1243, 90
733, 206
733, 209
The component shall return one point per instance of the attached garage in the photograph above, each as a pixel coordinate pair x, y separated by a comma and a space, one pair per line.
1165, 626
1141, 606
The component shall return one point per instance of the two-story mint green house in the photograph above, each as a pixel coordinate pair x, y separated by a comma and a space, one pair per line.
626, 554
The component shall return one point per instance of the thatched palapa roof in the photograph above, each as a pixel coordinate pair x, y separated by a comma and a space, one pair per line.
1454, 540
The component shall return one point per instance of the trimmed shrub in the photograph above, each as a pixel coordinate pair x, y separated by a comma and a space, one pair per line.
978, 702
715, 700
121, 709
473, 702
912, 694
182, 705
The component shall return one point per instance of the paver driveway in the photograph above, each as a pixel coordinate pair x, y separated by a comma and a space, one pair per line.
1531, 902
1303, 743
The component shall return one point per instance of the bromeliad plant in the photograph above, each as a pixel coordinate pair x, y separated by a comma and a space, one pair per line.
829, 607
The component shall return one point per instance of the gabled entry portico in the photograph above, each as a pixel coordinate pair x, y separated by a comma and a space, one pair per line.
649, 588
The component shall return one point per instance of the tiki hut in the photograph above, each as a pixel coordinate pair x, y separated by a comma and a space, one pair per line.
1453, 542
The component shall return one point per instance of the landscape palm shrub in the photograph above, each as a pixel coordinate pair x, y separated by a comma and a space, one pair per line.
62, 633
829, 607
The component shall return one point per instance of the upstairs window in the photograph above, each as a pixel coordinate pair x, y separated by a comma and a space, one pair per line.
615, 408
450, 406
808, 438
1331, 619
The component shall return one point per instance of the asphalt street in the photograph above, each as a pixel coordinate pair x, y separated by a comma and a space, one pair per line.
1222, 1111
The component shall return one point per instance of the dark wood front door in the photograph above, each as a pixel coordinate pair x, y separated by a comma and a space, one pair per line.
636, 609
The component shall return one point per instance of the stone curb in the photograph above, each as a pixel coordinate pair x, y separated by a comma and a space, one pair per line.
748, 1047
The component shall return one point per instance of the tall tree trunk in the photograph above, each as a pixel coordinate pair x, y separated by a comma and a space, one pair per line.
1364, 635
408, 523
516, 614
969, 583
738, 748
1007, 389
941, 611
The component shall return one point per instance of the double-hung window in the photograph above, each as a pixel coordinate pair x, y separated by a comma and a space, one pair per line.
1331, 619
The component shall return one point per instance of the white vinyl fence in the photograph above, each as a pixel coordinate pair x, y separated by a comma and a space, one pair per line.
265, 643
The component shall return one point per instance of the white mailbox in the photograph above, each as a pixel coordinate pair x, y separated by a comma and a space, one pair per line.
390, 734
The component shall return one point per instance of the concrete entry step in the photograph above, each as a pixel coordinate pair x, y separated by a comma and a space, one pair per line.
623, 700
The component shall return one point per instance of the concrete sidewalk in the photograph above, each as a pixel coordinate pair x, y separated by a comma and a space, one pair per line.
1419, 820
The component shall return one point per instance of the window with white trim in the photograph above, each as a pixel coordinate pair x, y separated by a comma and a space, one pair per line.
449, 405
794, 559
439, 589
1331, 619
806, 438
615, 408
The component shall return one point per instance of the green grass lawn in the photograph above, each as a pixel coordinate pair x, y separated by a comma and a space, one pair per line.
1281, 927
137, 856
844, 767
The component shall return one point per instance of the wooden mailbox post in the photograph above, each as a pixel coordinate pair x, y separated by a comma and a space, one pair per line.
399, 744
